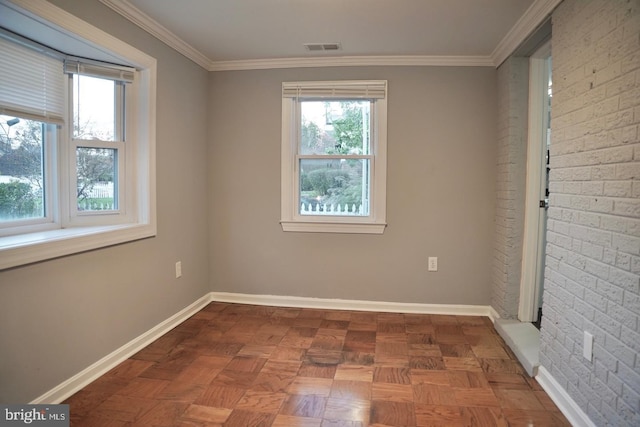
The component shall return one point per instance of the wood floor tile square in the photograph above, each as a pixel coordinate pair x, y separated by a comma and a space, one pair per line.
246, 364
476, 397
144, 388
393, 413
256, 350
512, 381
484, 417
392, 392
220, 396
338, 315
358, 358
433, 394
456, 350
425, 350
334, 324
354, 373
355, 325
392, 375
317, 386
123, 408
235, 379
525, 418
439, 416
206, 414
164, 414
181, 391
489, 352
307, 406
244, 418
261, 401
348, 410
317, 370
291, 421
462, 363
426, 362
272, 382
518, 399
249, 365
288, 353
348, 389
421, 376
468, 379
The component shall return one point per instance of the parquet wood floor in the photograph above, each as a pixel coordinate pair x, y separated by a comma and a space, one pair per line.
241, 365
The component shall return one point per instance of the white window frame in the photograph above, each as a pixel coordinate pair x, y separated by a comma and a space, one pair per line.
125, 176
291, 220
63, 236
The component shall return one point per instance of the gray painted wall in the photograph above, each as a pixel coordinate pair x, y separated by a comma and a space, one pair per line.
440, 193
60, 316
592, 280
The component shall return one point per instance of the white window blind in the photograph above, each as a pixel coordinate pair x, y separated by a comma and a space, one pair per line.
101, 70
31, 84
374, 89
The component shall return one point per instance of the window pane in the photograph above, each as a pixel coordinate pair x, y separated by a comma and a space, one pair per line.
21, 169
335, 127
97, 177
334, 187
93, 108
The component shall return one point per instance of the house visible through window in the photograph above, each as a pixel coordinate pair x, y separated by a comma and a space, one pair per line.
334, 156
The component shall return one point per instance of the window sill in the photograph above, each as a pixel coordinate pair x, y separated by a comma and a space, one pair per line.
33, 247
325, 227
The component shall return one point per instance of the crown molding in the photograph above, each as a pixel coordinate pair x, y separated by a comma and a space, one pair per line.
527, 23
353, 61
523, 28
154, 28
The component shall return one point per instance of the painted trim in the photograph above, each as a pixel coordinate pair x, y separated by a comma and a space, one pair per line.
527, 23
568, 406
493, 315
86, 376
354, 61
148, 24
354, 305
531, 269
524, 27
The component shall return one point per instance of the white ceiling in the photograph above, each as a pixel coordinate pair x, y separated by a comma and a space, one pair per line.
252, 31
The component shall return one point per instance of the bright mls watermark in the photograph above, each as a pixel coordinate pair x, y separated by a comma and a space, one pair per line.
35, 415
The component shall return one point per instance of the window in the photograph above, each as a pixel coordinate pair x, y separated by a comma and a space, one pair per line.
334, 156
76, 141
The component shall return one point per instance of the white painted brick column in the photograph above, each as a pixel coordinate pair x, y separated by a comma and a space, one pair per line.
513, 76
592, 277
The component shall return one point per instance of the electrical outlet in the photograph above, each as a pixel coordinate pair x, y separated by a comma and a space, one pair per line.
433, 263
178, 269
587, 346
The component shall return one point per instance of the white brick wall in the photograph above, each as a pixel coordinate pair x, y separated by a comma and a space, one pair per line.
592, 277
513, 78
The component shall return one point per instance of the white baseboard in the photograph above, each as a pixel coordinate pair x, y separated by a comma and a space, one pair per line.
493, 314
86, 376
561, 398
77, 382
354, 305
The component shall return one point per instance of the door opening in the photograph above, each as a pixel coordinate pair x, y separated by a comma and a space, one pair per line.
537, 187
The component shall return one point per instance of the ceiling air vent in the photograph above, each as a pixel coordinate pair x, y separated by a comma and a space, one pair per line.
319, 47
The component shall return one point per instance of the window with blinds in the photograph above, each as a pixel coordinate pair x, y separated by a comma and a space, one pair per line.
77, 136
334, 156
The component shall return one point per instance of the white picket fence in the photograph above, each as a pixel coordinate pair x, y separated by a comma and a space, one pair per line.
324, 209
